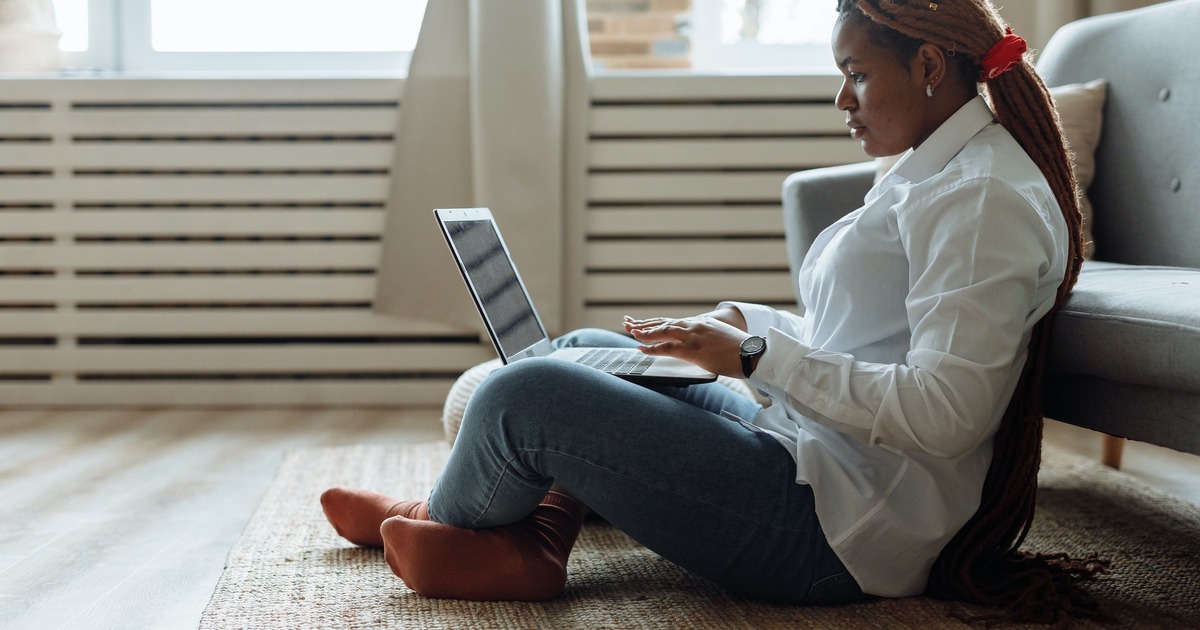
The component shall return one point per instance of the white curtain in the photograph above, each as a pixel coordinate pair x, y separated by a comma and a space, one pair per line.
493, 109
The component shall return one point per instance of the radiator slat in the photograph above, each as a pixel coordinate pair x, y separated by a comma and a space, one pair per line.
201, 156
203, 189
720, 88
650, 254
720, 154
684, 221
380, 392
173, 257
138, 256
231, 222
151, 290
27, 123
709, 119
210, 322
686, 187
237, 122
288, 359
699, 287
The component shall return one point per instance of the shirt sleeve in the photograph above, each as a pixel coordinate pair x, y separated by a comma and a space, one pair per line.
760, 318
983, 269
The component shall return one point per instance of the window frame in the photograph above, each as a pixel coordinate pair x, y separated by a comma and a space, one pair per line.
119, 40
101, 54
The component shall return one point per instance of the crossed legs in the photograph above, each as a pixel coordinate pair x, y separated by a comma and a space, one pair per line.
702, 490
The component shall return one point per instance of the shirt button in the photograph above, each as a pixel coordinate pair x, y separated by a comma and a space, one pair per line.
820, 404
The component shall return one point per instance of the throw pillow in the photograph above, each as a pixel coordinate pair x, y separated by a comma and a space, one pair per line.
1081, 109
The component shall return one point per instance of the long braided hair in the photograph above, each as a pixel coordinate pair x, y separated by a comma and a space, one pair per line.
983, 564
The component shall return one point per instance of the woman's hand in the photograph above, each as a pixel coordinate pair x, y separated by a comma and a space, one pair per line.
709, 342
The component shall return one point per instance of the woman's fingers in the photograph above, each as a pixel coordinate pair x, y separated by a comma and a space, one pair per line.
705, 341
661, 331
631, 322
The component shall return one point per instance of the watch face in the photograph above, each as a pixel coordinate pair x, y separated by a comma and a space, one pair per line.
753, 345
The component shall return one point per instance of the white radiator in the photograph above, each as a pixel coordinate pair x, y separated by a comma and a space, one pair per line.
683, 194
215, 242
196, 242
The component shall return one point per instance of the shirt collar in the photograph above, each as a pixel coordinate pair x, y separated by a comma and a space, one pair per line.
945, 142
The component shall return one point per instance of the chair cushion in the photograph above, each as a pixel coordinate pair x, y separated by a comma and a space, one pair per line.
1131, 324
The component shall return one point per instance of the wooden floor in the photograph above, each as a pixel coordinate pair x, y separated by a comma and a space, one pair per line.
123, 519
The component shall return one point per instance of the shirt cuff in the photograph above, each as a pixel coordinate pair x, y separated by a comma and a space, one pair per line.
814, 382
758, 317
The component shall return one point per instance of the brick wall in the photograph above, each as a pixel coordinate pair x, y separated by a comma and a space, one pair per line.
639, 33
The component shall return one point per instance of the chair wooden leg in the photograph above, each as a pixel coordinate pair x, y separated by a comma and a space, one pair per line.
1111, 449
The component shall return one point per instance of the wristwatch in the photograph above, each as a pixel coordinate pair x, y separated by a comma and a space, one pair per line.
751, 348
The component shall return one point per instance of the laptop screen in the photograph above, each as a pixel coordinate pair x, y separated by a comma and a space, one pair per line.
502, 297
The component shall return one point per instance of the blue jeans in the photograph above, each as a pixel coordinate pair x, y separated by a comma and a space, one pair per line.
668, 466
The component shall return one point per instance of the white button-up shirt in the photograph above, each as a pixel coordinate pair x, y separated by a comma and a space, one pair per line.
919, 307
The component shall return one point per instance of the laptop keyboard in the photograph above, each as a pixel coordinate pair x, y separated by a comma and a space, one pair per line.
616, 361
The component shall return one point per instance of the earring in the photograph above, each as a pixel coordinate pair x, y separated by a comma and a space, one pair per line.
929, 90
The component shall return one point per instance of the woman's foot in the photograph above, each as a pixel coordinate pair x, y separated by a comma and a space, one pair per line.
357, 514
525, 561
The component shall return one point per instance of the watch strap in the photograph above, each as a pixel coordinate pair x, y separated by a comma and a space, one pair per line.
748, 357
747, 364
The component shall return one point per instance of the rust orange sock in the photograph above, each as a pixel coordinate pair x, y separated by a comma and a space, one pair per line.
525, 561
357, 514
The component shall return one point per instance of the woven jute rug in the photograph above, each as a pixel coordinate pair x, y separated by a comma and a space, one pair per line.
290, 570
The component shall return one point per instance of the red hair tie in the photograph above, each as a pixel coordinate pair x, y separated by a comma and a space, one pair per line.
1002, 57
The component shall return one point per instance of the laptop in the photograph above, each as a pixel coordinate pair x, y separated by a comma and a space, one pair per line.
513, 323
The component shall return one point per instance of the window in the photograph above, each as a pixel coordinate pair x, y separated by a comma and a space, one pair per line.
712, 35
72, 18
379, 35
239, 35
750, 34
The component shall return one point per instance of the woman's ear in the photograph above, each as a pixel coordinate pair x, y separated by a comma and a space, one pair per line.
930, 66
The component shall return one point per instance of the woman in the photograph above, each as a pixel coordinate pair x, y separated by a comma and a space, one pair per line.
899, 454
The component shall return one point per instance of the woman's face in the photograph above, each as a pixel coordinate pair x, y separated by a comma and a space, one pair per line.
884, 100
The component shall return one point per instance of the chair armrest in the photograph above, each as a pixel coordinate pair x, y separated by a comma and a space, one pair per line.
814, 199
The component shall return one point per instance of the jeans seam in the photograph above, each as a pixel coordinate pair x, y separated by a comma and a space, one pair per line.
829, 577
817, 586
496, 489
